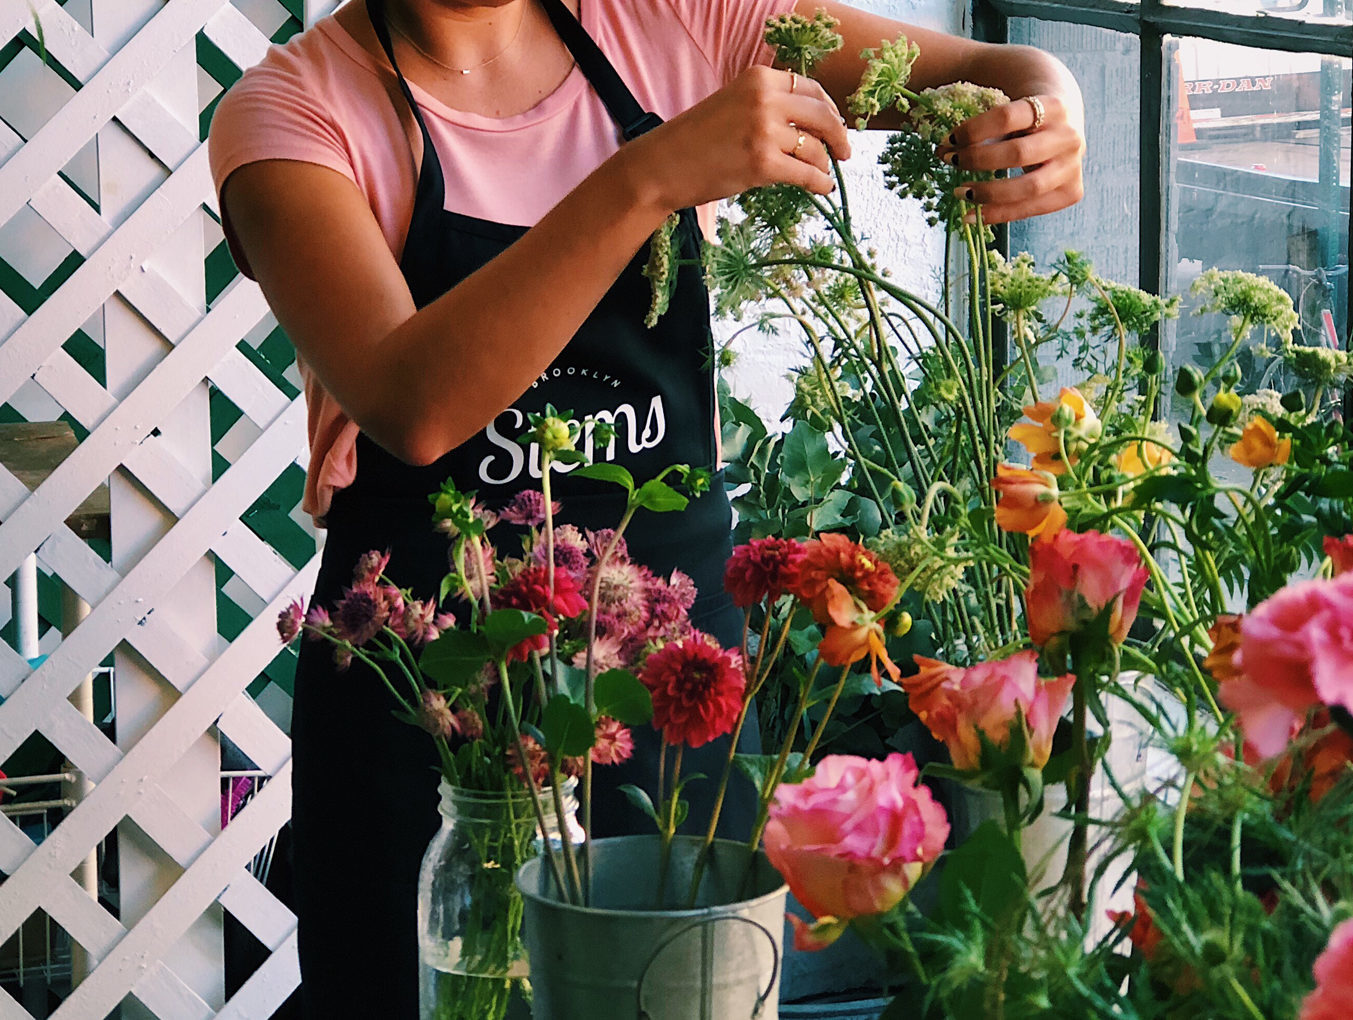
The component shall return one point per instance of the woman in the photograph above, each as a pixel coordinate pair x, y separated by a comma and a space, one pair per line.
446, 203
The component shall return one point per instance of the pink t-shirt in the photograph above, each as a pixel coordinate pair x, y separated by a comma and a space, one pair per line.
321, 98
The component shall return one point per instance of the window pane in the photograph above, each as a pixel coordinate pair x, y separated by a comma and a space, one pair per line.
1328, 11
1102, 226
1257, 167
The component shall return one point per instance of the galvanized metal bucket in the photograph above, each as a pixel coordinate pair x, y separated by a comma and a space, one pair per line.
622, 958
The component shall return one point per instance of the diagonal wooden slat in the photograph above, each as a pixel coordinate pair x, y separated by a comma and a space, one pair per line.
151, 578
124, 74
183, 903
116, 795
268, 987
127, 424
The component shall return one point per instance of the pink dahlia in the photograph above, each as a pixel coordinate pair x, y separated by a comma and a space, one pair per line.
697, 689
614, 742
764, 568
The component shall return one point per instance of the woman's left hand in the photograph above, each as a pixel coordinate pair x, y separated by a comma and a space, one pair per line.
1048, 156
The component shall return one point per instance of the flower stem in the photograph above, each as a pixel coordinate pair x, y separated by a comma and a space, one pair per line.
1180, 811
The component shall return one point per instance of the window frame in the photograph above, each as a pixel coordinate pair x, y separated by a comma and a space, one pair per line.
1152, 21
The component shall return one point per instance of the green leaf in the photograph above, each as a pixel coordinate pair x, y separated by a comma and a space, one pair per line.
642, 801
504, 628
620, 695
569, 457
758, 767
989, 868
566, 727
455, 658
809, 468
835, 512
659, 497
1336, 485
607, 473
449, 582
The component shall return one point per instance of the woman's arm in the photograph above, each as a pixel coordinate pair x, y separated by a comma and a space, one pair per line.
420, 382
1000, 139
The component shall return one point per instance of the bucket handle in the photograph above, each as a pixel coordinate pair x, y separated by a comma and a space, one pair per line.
761, 998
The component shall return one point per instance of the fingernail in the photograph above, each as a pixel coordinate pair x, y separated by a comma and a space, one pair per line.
970, 218
951, 158
951, 140
968, 194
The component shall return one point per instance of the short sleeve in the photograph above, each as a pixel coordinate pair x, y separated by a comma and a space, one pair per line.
272, 112
729, 32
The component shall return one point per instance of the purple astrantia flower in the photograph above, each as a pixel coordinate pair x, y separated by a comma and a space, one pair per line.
670, 604
570, 551
527, 508
622, 600
370, 566
289, 621
317, 622
360, 615
435, 716
599, 540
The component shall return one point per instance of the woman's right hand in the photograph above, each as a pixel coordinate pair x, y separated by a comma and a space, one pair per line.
744, 136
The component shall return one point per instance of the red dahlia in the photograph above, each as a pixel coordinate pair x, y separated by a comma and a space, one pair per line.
764, 568
530, 590
859, 571
697, 689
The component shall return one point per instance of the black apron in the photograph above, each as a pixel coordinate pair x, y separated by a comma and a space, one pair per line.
364, 787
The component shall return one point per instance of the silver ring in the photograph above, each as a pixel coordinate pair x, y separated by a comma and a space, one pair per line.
1039, 112
793, 82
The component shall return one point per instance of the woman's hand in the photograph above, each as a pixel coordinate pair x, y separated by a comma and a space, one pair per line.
766, 127
1009, 137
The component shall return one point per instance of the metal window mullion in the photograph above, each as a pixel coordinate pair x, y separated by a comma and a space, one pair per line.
1266, 32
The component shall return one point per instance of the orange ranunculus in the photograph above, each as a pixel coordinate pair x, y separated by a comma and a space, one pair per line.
854, 633
1045, 439
1139, 458
1259, 445
1329, 758
835, 559
961, 706
1225, 635
1028, 501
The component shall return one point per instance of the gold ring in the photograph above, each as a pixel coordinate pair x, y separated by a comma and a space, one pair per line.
1039, 112
793, 82
799, 144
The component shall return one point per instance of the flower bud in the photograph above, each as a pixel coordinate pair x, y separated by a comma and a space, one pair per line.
1153, 364
1063, 416
1214, 950
1224, 408
1188, 382
1294, 401
553, 434
901, 625
1188, 434
1230, 375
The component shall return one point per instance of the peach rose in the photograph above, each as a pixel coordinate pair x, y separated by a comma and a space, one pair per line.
1073, 578
959, 706
1296, 652
854, 838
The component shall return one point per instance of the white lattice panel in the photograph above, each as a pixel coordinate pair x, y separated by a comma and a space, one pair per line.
120, 314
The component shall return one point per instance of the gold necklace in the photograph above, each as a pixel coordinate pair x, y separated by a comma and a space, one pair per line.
461, 70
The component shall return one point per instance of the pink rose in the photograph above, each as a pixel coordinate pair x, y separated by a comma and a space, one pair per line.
853, 839
1073, 578
960, 705
1296, 651
1333, 995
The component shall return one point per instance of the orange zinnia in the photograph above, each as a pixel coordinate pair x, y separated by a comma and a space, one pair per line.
1259, 445
1045, 440
1028, 501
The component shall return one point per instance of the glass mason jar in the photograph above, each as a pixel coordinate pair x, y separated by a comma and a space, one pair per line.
472, 963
